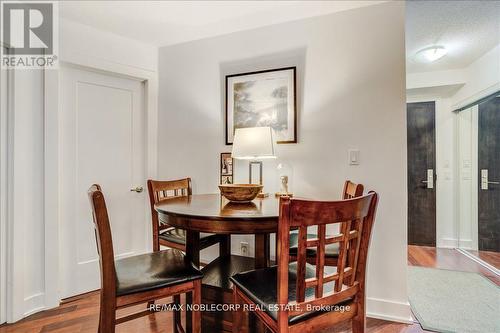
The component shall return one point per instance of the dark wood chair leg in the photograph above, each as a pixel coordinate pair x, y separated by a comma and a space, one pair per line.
225, 246
238, 314
107, 317
177, 314
193, 253
359, 321
262, 250
196, 315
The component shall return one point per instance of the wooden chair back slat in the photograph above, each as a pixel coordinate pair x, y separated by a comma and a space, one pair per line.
171, 185
355, 217
313, 213
301, 263
353, 255
343, 244
320, 260
160, 190
352, 190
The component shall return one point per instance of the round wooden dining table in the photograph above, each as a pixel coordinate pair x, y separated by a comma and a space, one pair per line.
212, 213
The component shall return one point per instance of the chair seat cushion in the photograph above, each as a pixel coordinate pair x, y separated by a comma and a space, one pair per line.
174, 235
331, 250
153, 271
178, 236
260, 286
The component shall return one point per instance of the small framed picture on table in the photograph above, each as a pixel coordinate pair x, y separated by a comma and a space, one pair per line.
226, 168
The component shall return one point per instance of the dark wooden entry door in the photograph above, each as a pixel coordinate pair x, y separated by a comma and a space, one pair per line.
489, 175
421, 123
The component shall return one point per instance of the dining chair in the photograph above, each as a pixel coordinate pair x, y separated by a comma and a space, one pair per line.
351, 190
139, 279
300, 297
165, 235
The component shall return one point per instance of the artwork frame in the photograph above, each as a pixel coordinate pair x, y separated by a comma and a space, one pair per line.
274, 92
226, 165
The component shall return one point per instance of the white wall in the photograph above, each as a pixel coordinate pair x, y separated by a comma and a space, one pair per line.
435, 79
351, 84
77, 40
33, 269
482, 78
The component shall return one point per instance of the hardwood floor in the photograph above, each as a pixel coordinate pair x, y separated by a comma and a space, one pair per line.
492, 258
447, 259
81, 315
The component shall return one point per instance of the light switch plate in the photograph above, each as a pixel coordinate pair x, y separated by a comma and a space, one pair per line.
353, 156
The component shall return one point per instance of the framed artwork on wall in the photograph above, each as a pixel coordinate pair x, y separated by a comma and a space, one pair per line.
226, 168
263, 98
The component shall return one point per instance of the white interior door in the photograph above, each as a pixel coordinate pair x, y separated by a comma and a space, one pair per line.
102, 141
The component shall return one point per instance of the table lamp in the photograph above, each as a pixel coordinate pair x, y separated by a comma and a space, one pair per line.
254, 144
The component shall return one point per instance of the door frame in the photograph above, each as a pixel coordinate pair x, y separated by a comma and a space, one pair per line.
5, 151
52, 154
472, 243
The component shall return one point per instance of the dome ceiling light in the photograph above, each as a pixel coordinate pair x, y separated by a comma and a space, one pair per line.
430, 54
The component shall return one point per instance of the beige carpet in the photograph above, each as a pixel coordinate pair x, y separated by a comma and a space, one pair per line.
452, 301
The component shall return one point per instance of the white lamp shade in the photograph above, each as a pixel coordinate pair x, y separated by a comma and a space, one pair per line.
253, 143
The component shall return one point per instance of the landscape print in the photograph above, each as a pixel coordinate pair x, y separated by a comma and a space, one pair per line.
266, 99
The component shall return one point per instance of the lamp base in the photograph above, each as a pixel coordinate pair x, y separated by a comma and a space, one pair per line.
283, 194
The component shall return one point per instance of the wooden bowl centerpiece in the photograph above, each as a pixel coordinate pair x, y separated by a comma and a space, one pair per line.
240, 192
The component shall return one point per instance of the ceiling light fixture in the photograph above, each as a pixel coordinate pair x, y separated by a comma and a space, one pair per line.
430, 54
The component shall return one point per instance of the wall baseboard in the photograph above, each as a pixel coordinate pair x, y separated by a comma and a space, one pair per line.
388, 310
466, 244
34, 303
449, 243
453, 243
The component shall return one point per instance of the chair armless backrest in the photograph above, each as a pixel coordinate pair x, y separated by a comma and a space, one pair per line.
104, 240
352, 190
163, 190
349, 278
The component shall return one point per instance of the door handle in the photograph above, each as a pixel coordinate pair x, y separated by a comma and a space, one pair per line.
430, 178
485, 181
138, 189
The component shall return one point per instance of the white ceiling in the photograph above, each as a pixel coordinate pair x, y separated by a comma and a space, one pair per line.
163, 23
468, 29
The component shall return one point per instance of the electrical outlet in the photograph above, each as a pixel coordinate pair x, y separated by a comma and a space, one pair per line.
244, 248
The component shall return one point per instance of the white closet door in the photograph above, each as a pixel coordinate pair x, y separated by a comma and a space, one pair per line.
102, 136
